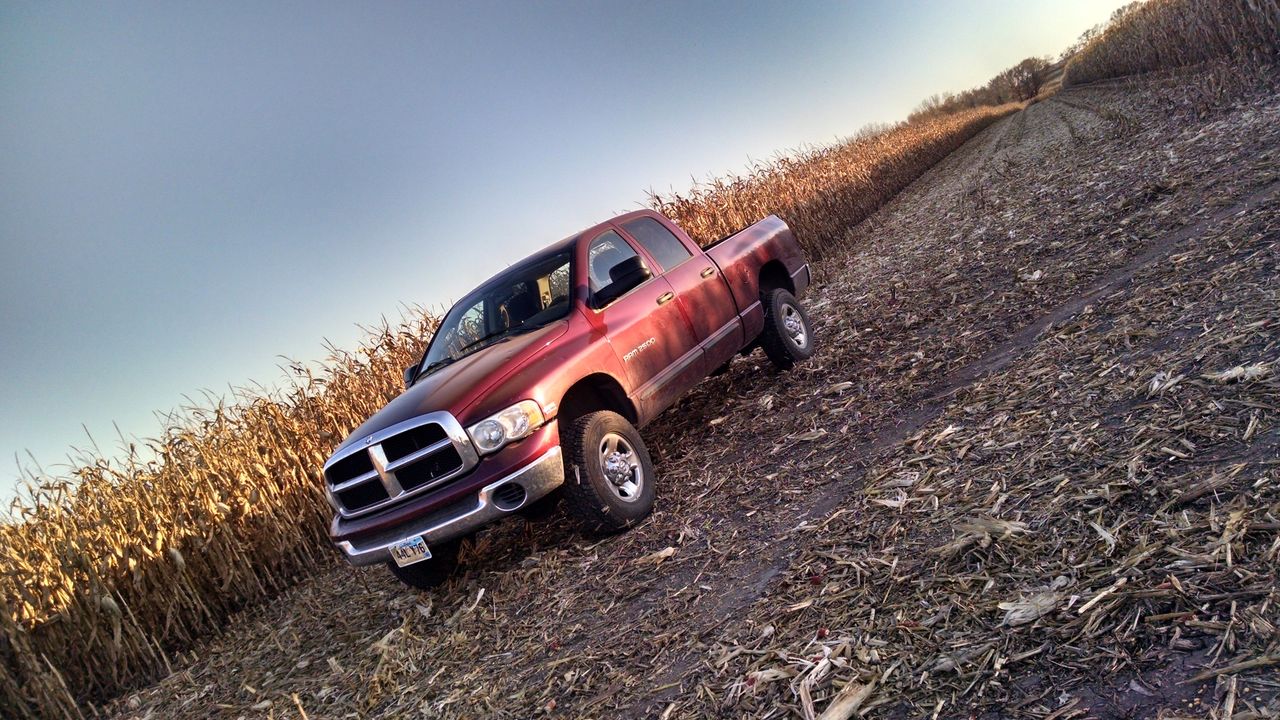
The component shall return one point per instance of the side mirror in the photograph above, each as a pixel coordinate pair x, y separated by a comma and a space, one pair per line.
624, 277
409, 374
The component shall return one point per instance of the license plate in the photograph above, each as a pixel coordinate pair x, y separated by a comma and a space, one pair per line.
408, 552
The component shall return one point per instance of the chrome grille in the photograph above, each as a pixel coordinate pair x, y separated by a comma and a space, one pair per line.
349, 467
396, 462
412, 440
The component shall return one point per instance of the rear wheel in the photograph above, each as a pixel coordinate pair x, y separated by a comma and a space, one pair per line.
432, 572
787, 337
609, 475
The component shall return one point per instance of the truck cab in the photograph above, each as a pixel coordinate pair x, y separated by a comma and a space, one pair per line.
536, 384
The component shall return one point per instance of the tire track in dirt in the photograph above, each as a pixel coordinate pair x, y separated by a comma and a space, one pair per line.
940, 185
1017, 135
958, 176
960, 168
1079, 106
1088, 118
752, 578
740, 582
1023, 137
1070, 130
580, 629
1058, 125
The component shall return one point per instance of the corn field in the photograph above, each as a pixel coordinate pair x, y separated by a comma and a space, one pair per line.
108, 572
1166, 34
822, 192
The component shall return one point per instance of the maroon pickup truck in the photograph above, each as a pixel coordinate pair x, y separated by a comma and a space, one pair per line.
534, 384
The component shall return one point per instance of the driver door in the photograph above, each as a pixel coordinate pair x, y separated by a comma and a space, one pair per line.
646, 329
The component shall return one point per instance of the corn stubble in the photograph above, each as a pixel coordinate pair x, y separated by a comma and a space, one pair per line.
109, 571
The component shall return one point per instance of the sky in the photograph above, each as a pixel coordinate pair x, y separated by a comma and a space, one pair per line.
190, 190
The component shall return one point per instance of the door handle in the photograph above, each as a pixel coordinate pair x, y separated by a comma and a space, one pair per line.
708, 272
665, 297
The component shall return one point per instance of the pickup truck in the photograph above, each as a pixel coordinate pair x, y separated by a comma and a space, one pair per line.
534, 385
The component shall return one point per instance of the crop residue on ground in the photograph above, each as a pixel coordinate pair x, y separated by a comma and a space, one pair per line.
1032, 473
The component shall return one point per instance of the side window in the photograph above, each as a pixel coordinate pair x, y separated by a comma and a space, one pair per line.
665, 247
606, 251
558, 286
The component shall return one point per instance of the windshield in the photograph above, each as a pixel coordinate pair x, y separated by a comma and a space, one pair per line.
526, 297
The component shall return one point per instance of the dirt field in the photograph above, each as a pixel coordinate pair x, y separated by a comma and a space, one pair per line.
1033, 472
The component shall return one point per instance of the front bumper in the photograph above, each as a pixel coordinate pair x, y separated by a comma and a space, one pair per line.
464, 517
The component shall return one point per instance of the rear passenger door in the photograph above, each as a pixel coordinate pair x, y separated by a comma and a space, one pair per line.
701, 290
646, 328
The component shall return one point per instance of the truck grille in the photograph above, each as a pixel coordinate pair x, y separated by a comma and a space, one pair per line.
362, 496
412, 440
424, 471
349, 467
401, 460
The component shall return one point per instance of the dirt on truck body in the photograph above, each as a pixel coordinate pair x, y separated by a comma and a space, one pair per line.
536, 384
1032, 473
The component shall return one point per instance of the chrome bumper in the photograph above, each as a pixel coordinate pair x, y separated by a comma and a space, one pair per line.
537, 478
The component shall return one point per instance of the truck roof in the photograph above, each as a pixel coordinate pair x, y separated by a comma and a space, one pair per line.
568, 242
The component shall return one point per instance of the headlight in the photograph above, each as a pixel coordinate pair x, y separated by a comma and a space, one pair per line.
517, 421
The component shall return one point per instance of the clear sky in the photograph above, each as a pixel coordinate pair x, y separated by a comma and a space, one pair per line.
189, 190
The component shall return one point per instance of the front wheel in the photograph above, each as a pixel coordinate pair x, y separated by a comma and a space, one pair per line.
609, 475
787, 337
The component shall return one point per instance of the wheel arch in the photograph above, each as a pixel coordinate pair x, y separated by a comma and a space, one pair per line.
774, 275
597, 391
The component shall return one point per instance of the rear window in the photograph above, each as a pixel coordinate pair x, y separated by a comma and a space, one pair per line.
660, 242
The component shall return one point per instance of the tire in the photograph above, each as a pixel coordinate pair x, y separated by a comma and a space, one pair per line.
608, 473
429, 573
787, 337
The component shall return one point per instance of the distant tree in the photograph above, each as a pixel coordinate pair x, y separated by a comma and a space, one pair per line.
1027, 77
1020, 82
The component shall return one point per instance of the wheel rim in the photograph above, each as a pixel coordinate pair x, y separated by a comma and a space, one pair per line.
793, 323
621, 467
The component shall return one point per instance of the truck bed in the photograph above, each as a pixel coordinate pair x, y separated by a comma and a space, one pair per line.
742, 255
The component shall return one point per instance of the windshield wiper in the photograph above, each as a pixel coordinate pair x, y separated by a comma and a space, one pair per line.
436, 365
491, 339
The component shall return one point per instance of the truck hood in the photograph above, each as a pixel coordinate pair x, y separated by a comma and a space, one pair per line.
456, 386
